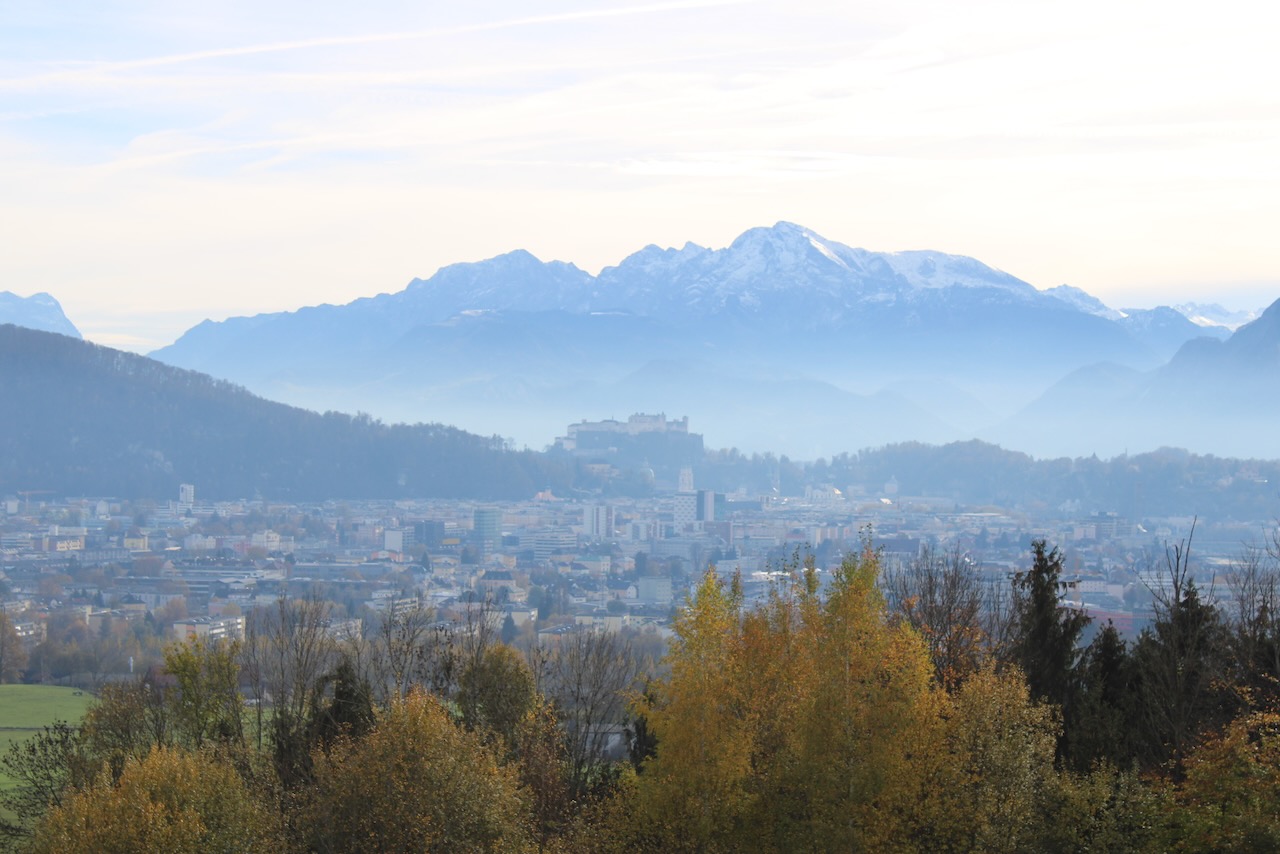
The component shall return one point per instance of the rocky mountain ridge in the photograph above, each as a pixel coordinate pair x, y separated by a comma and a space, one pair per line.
521, 347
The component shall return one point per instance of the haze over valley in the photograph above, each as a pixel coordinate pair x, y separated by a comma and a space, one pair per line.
608, 426
784, 341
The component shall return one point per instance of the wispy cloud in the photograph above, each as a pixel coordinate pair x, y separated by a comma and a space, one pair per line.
97, 69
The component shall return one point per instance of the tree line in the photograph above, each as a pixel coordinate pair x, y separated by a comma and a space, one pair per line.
97, 421
906, 709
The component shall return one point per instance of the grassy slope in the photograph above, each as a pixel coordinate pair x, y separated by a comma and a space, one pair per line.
33, 706
26, 708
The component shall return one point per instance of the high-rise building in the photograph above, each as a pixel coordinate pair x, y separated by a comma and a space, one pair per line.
686, 480
186, 493
486, 529
597, 521
706, 505
684, 510
429, 532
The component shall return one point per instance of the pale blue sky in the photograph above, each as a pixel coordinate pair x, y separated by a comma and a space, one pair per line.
165, 162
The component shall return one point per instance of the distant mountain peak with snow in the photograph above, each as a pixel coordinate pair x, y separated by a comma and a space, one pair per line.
38, 311
1085, 302
779, 334
1213, 314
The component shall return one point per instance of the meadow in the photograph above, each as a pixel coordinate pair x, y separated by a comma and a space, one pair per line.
24, 709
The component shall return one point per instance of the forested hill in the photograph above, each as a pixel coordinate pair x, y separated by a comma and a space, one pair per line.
85, 419
1160, 482
80, 419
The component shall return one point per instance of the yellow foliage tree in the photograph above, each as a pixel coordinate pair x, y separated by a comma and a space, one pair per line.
206, 702
172, 801
417, 782
693, 790
1230, 799
871, 703
991, 769
794, 726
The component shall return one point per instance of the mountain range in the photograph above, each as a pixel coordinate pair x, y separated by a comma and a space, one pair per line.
783, 341
1212, 395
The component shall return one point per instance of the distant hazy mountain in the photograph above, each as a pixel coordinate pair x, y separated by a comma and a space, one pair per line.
1246, 364
96, 421
1163, 330
1213, 395
38, 311
1212, 314
90, 420
783, 340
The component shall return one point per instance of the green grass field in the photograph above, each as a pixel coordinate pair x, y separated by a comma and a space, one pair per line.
24, 709
33, 706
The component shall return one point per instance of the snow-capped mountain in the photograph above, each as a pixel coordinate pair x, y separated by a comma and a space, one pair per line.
1212, 314
792, 268
520, 347
1084, 302
38, 311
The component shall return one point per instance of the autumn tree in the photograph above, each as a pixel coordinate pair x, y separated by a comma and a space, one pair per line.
693, 790
869, 702
416, 782
173, 801
542, 767
992, 763
495, 693
940, 595
205, 698
792, 726
1229, 799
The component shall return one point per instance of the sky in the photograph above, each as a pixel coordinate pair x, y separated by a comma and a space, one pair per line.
166, 162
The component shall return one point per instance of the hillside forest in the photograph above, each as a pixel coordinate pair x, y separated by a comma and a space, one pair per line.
102, 422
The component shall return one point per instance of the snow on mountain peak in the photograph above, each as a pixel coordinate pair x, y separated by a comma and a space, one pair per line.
1213, 314
826, 250
928, 270
1085, 302
38, 311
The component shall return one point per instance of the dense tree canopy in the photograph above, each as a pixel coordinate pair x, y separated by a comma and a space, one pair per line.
416, 782
822, 718
173, 801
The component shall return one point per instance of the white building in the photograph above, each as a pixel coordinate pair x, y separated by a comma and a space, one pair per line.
210, 629
597, 522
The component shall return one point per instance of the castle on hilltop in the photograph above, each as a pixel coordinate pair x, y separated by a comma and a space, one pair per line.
593, 436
